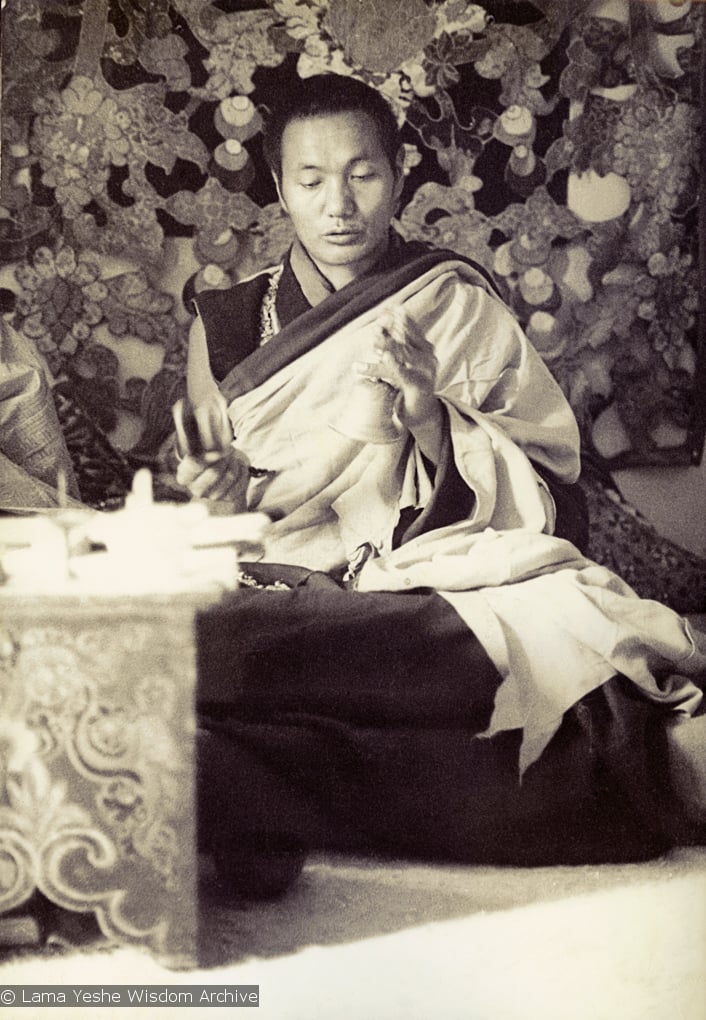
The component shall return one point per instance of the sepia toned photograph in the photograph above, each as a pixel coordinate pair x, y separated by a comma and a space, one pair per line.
353, 509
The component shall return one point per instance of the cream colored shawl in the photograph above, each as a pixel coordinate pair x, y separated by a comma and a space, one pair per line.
332, 495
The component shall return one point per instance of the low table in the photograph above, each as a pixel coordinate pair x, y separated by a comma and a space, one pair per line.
97, 741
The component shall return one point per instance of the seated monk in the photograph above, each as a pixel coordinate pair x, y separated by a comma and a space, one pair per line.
442, 674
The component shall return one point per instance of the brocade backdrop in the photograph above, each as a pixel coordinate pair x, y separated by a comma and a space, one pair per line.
556, 141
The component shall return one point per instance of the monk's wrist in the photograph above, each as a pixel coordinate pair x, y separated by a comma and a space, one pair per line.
427, 429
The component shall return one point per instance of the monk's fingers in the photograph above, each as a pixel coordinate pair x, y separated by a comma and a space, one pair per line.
404, 367
417, 381
229, 481
407, 352
406, 331
212, 482
399, 350
368, 369
206, 484
387, 368
190, 468
226, 491
383, 335
400, 356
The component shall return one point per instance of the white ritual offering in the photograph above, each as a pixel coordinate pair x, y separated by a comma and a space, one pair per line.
147, 547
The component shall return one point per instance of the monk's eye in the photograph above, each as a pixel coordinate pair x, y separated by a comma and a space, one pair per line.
310, 184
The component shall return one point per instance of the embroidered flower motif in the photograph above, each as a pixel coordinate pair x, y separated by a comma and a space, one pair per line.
72, 144
116, 126
238, 45
598, 55
222, 220
589, 136
533, 228
609, 315
133, 308
59, 302
213, 208
511, 50
81, 133
442, 57
672, 304
650, 148
497, 57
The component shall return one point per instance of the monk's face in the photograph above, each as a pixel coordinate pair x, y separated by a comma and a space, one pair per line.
340, 191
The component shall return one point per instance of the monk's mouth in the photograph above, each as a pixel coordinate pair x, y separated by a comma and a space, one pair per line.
344, 236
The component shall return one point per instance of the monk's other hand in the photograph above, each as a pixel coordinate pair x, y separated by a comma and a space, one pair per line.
221, 476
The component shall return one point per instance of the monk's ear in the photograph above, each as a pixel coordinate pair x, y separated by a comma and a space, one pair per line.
278, 186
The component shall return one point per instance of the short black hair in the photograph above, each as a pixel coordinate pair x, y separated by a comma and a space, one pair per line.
325, 95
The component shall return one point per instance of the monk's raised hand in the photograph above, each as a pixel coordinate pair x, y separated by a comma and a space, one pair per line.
403, 358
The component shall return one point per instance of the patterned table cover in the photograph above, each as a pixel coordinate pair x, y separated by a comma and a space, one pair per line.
97, 740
